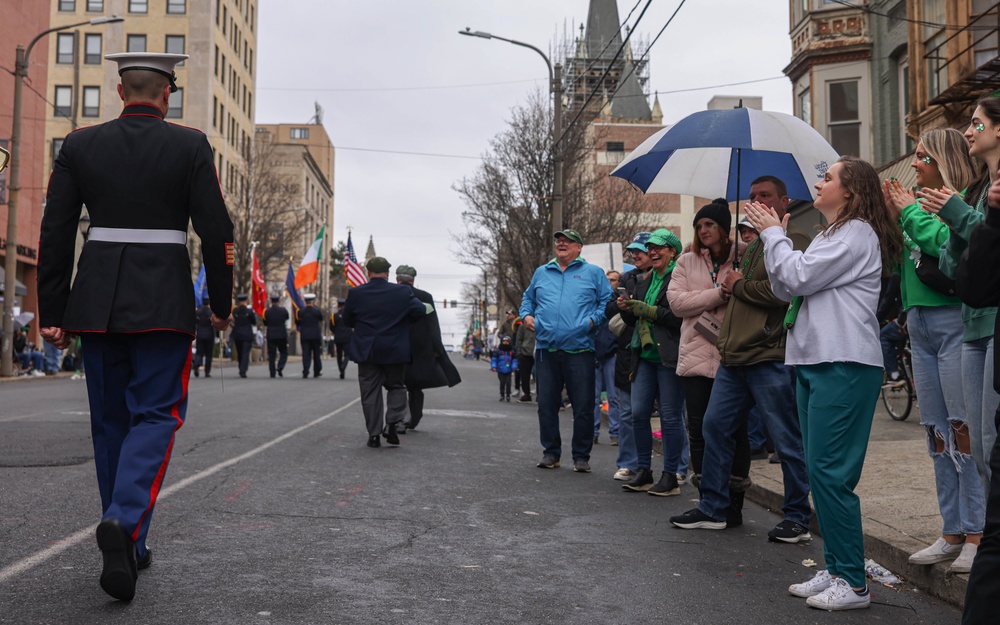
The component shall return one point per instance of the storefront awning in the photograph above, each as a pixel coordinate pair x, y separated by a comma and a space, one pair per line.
19, 288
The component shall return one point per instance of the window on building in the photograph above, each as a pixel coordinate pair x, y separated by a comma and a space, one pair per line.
251, 18
56, 148
63, 101
67, 5
92, 49
95, 6
845, 121
215, 111
805, 107
176, 106
91, 102
174, 45
615, 146
299, 133
176, 7
903, 78
135, 43
225, 18
138, 6
934, 17
65, 42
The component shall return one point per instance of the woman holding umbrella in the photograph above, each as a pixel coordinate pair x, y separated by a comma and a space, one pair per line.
833, 342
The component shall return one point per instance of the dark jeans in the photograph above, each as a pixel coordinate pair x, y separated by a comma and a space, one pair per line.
275, 347
524, 366
983, 592
204, 348
891, 340
312, 350
553, 370
697, 392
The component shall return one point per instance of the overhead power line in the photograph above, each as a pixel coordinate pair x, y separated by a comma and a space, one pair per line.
646, 53
424, 88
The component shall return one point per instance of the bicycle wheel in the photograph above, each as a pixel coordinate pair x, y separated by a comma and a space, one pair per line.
898, 399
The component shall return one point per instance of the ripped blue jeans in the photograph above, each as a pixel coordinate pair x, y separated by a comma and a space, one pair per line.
936, 345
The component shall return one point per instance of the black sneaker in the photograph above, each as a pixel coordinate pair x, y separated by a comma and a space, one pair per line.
581, 466
789, 532
666, 487
389, 432
548, 462
696, 520
525, 399
642, 481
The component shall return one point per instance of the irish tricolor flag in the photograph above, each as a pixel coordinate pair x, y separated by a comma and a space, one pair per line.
309, 267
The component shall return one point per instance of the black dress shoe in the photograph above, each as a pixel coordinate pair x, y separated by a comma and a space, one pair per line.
207, 374
341, 375
390, 434
280, 374
195, 373
144, 563
374, 441
400, 428
317, 375
243, 375
119, 574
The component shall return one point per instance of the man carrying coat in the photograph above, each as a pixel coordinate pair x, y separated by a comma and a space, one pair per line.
380, 313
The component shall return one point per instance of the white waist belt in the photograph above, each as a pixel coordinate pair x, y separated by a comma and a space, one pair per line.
137, 235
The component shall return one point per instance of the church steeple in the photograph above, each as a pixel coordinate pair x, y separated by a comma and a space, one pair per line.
657, 111
370, 252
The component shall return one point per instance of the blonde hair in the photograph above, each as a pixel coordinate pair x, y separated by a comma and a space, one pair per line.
950, 150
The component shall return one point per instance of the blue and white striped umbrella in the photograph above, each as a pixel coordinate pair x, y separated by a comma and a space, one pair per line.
719, 153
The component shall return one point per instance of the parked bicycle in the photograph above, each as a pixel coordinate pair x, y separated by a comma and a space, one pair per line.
900, 395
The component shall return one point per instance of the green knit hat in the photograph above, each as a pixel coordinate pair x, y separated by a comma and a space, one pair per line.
663, 238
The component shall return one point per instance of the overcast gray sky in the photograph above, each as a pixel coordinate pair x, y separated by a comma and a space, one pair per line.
395, 75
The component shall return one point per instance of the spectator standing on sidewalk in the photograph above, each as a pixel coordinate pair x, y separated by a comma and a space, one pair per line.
563, 305
524, 348
833, 344
605, 345
503, 362
934, 323
752, 374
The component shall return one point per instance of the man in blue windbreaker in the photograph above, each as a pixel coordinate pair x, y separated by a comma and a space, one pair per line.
563, 305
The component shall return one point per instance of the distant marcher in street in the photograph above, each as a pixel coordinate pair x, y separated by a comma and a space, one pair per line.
477, 347
244, 324
430, 366
275, 320
144, 181
204, 339
341, 337
380, 314
563, 305
833, 344
524, 347
605, 349
504, 363
310, 322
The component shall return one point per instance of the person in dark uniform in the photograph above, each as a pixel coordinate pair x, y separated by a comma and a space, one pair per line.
204, 339
380, 314
310, 322
275, 319
143, 180
244, 323
341, 336
429, 366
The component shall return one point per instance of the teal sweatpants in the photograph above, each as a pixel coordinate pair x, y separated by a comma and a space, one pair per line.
836, 405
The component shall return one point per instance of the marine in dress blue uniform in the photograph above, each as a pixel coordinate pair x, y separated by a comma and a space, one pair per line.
204, 339
143, 180
310, 322
341, 336
244, 323
275, 319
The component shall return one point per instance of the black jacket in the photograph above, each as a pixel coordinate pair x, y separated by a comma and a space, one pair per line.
623, 356
430, 366
275, 318
978, 276
310, 322
244, 321
136, 172
205, 330
341, 331
666, 326
380, 314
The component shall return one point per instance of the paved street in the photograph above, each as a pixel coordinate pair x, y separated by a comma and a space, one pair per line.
275, 512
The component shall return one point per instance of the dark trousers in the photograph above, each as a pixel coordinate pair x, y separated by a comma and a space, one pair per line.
243, 354
982, 595
204, 348
312, 350
342, 357
372, 379
137, 386
524, 366
415, 404
275, 347
576, 372
697, 392
504, 384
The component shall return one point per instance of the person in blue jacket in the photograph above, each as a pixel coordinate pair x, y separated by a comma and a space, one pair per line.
564, 305
504, 362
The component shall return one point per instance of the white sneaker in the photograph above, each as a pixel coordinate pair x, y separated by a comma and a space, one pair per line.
940, 551
37, 373
820, 582
963, 563
75, 376
682, 479
624, 475
840, 596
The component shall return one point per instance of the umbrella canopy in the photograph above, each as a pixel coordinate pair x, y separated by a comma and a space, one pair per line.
719, 153
23, 319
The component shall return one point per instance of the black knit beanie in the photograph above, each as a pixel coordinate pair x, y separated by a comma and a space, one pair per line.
717, 211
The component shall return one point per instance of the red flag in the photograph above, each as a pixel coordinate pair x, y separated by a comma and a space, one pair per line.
259, 288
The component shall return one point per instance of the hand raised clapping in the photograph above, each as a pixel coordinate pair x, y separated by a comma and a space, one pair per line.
763, 217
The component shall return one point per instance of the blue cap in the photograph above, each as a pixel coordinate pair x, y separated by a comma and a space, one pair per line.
639, 242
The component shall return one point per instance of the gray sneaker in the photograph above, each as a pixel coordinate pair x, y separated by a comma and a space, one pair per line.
581, 466
548, 462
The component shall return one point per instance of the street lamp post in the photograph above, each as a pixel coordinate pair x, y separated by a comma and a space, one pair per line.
10, 261
556, 89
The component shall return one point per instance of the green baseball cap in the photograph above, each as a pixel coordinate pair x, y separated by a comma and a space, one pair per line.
570, 234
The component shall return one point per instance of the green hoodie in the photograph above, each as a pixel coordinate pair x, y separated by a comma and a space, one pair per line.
925, 232
978, 323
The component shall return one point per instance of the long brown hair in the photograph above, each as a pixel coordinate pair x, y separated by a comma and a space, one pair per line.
991, 108
867, 203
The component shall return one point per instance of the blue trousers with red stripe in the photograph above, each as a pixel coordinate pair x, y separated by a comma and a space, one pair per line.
137, 384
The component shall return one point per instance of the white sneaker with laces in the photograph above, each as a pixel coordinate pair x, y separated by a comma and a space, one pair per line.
37, 373
682, 478
940, 551
820, 582
624, 475
963, 563
840, 596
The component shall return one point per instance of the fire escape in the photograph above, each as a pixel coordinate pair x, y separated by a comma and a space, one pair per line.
967, 85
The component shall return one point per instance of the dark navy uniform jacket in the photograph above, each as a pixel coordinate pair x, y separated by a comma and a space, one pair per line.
138, 172
380, 314
205, 329
275, 318
341, 331
310, 322
244, 321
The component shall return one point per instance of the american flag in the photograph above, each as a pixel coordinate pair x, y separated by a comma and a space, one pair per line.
355, 274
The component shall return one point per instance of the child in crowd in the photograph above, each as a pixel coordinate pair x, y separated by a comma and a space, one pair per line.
504, 362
